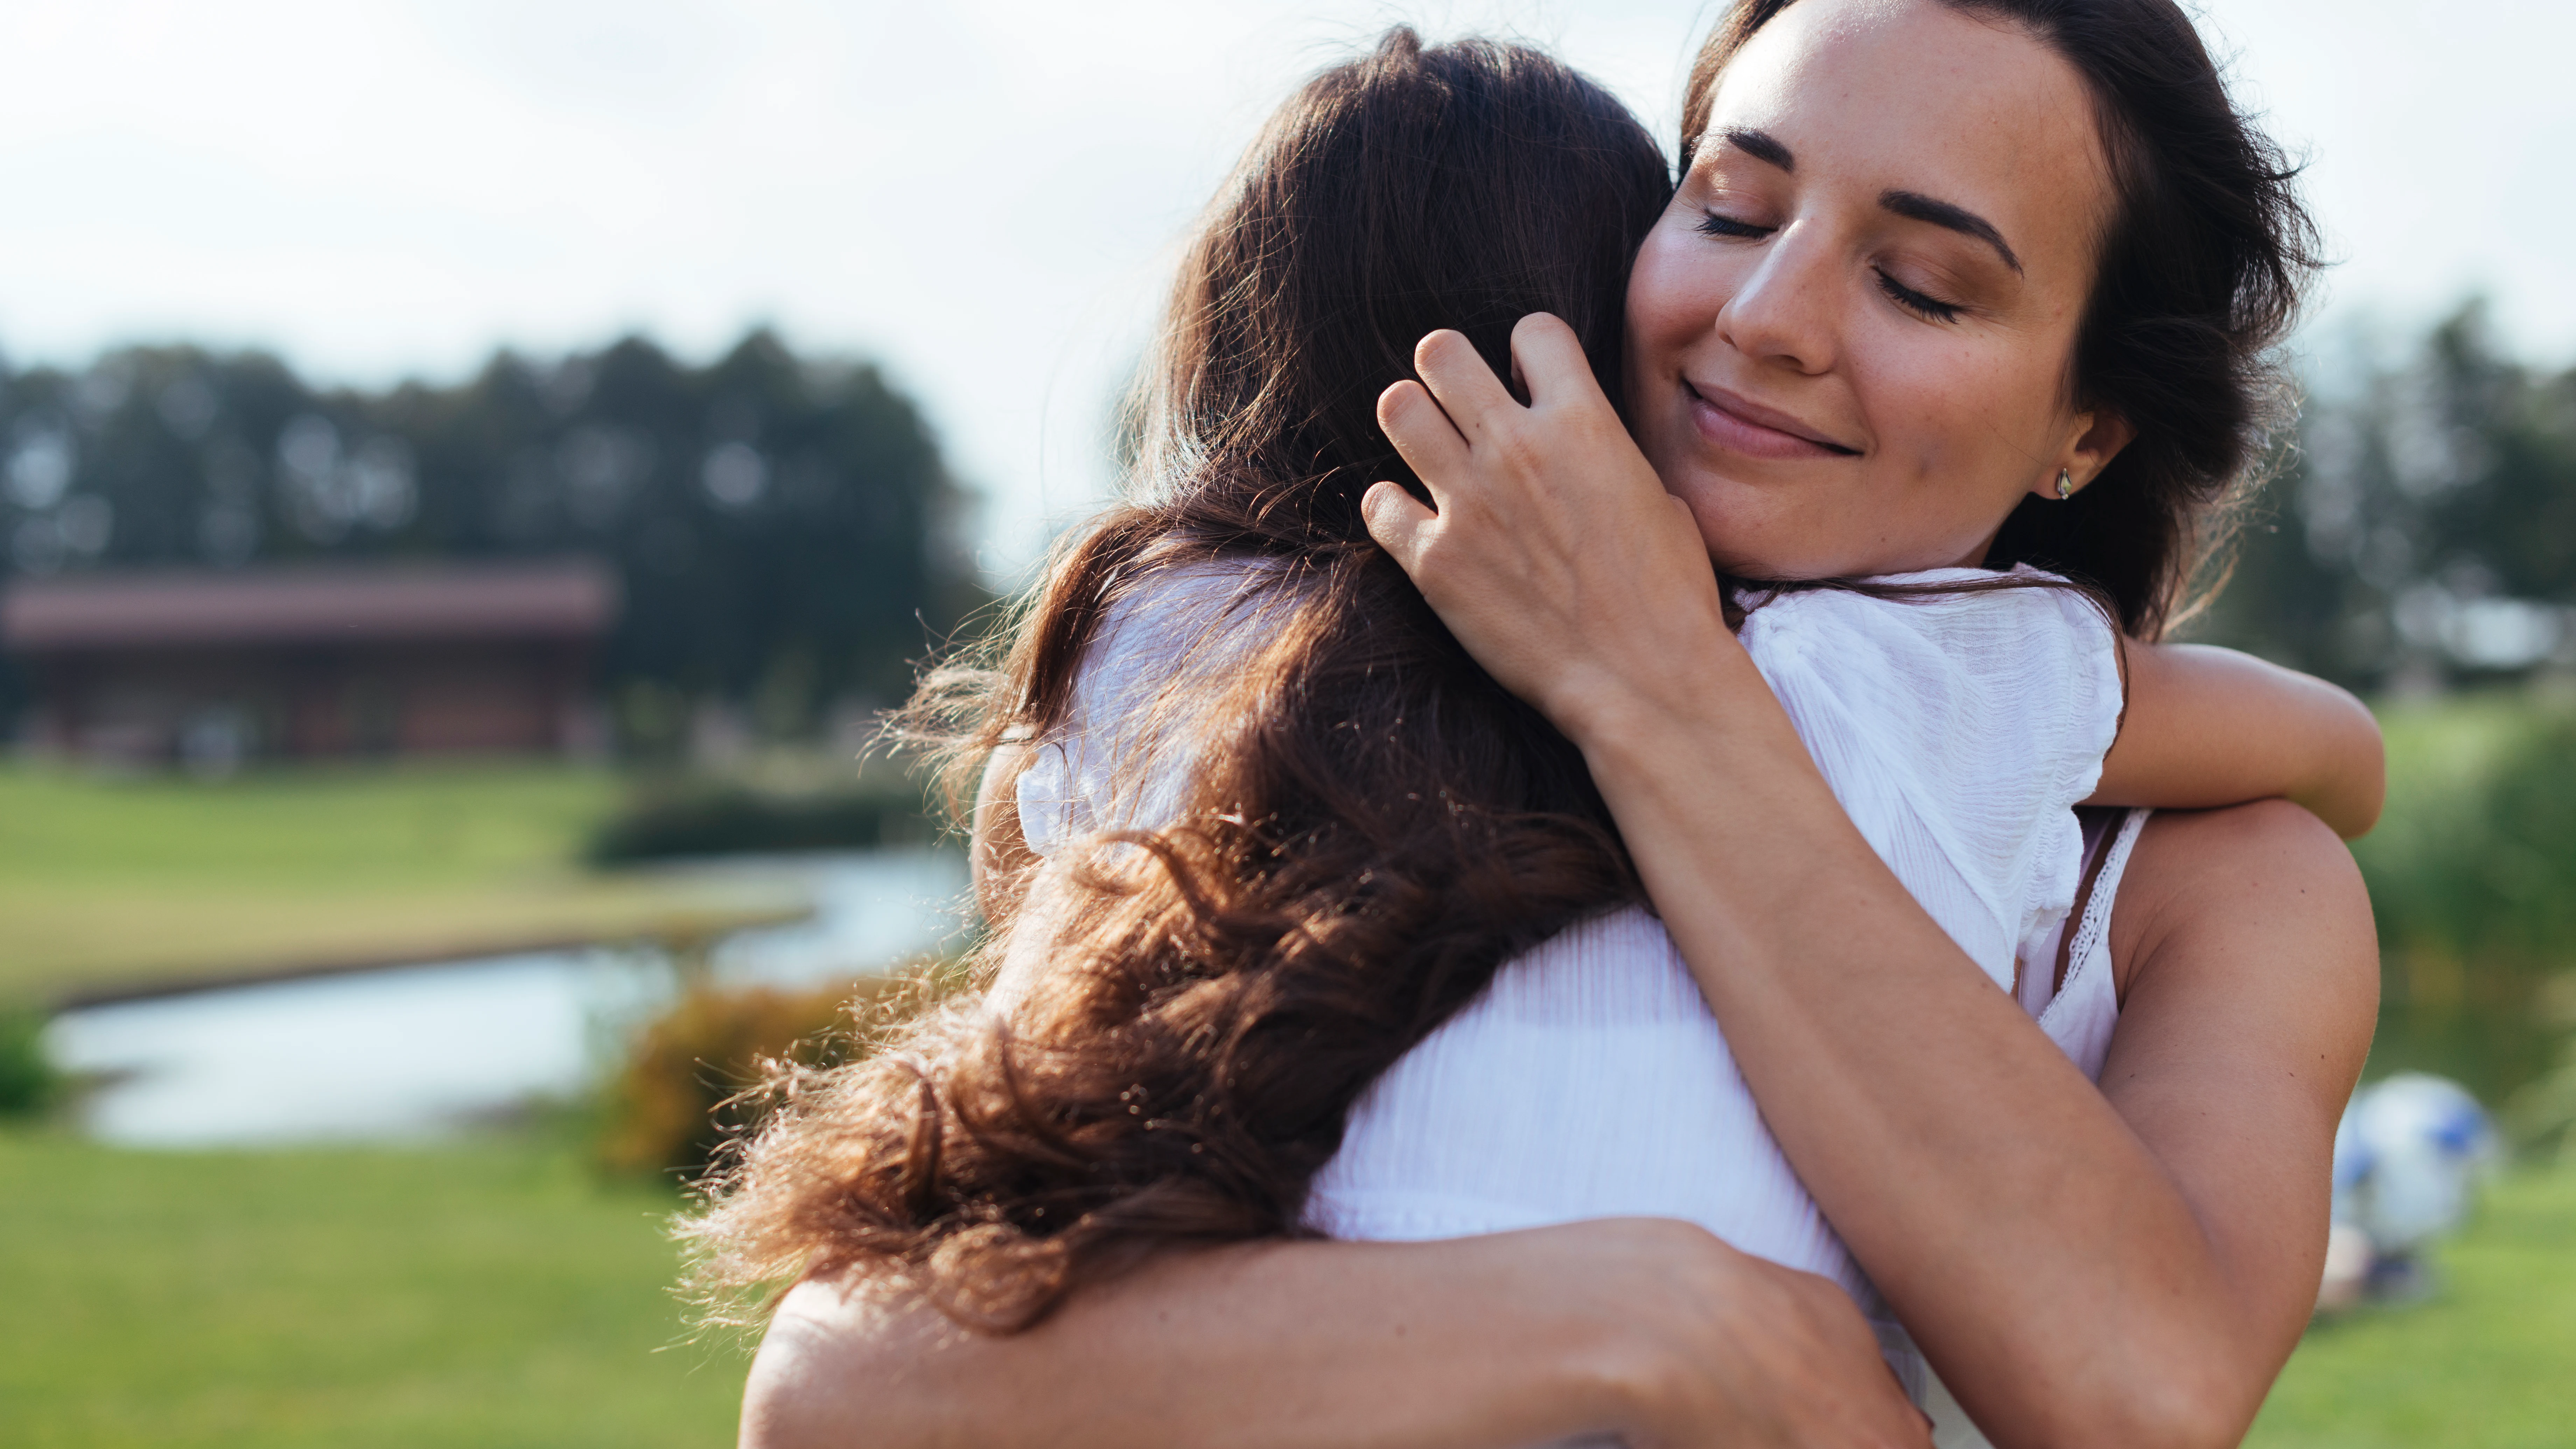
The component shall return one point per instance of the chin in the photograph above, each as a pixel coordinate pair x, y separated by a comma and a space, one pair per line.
1774, 533
1751, 535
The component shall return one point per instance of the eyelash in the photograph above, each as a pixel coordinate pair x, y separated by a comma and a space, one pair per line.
1931, 309
1715, 224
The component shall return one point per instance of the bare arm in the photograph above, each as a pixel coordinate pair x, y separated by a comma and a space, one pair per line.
2128, 1266
1651, 1330
2240, 1036
2208, 726
2081, 1267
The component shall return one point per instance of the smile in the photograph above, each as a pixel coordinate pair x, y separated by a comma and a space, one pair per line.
1740, 425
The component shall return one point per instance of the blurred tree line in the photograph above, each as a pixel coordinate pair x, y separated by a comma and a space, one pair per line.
2422, 533
789, 537
786, 532
2421, 538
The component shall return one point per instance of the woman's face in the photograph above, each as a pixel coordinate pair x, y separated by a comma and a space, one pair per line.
1850, 337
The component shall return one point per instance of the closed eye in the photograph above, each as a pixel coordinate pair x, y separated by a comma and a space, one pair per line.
1713, 223
1931, 308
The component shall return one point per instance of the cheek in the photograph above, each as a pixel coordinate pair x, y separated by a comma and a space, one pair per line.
1962, 431
1675, 292
1942, 406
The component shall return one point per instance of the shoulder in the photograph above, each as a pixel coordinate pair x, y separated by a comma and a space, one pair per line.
1176, 602
1119, 754
2263, 890
1179, 618
2009, 692
2013, 637
824, 1365
812, 1343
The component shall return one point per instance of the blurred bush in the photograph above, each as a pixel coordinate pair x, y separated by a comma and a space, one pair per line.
2481, 865
777, 799
723, 819
2473, 877
2542, 1115
682, 1092
28, 1081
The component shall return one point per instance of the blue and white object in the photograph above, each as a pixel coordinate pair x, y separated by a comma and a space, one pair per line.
2408, 1158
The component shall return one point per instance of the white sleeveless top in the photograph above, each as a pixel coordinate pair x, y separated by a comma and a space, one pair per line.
1590, 1080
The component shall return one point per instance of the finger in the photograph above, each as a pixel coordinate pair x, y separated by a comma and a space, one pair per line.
1549, 357
1425, 436
1398, 521
1467, 388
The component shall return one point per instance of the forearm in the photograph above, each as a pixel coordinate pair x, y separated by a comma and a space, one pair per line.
2209, 727
1927, 1115
1274, 1346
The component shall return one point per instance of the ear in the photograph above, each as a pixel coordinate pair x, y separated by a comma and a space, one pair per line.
2099, 437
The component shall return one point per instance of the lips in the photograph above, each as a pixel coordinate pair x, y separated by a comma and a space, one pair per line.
1740, 425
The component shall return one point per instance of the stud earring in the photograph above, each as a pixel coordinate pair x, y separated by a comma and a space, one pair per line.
2065, 485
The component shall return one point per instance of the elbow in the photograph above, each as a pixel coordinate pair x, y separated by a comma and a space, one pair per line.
2370, 754
2206, 1411
2192, 1399
2148, 1409
2358, 786
2354, 810
2141, 1377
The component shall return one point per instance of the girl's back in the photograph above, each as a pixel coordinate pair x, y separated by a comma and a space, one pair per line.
1590, 1079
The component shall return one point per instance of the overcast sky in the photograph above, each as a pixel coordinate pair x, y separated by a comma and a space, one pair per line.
984, 194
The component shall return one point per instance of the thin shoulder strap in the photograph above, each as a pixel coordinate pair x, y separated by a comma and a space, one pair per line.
2101, 888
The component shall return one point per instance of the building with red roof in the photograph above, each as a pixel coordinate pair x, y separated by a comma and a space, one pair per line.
311, 661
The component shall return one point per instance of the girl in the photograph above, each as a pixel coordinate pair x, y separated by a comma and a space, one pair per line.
1334, 833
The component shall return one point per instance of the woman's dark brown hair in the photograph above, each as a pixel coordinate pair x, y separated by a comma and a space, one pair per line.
2203, 263
1373, 825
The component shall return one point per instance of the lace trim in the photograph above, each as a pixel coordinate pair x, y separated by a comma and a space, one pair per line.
2097, 910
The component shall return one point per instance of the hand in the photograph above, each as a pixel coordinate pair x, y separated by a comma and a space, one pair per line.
1555, 554
1740, 1351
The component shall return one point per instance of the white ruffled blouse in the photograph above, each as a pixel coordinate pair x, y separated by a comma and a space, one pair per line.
1590, 1080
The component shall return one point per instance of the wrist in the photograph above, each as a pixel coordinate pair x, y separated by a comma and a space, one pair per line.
1633, 1329
1627, 723
1623, 1384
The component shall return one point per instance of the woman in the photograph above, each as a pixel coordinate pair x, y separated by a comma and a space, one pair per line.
2084, 1267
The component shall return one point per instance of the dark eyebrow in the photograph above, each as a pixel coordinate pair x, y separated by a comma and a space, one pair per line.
1957, 218
1761, 147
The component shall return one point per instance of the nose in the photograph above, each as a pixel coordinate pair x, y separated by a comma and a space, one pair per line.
1786, 312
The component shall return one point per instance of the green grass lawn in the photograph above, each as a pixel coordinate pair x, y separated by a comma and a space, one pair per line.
108, 882
484, 1295
497, 1293
2488, 1363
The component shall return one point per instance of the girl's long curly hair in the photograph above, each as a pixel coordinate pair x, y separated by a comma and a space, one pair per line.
1373, 824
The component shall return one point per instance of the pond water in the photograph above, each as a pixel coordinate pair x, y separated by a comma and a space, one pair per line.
419, 1051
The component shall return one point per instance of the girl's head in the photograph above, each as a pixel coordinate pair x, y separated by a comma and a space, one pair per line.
1372, 825
1926, 254
1463, 186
